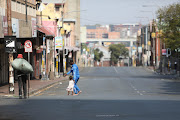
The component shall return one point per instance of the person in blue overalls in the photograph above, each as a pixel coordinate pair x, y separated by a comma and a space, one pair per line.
75, 72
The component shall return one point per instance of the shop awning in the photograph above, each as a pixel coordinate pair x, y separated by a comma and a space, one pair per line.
45, 31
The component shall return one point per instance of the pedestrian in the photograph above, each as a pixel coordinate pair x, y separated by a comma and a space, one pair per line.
75, 72
22, 81
175, 67
70, 87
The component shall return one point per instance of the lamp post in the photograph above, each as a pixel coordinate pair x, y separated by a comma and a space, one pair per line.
62, 34
157, 41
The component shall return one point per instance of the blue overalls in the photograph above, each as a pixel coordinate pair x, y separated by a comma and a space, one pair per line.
75, 72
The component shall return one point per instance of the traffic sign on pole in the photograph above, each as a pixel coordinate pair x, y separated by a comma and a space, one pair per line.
28, 46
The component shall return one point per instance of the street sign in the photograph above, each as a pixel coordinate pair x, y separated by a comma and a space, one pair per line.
28, 46
164, 52
10, 44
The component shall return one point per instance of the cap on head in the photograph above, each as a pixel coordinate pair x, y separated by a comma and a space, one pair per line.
20, 56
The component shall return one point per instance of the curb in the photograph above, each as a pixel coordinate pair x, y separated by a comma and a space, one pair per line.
34, 92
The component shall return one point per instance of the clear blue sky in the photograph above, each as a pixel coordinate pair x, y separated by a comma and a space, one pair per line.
119, 11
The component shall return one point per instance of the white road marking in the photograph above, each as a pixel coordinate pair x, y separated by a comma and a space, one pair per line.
115, 70
136, 89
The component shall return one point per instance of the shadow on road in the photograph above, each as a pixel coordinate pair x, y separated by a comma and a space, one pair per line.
65, 109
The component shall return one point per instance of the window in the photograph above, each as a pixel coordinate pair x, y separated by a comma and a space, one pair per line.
57, 8
105, 35
91, 35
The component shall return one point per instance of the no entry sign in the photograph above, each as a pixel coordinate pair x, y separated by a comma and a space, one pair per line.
28, 46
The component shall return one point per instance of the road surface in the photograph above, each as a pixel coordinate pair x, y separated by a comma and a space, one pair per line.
108, 93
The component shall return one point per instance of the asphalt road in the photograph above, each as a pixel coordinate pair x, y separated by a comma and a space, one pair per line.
108, 93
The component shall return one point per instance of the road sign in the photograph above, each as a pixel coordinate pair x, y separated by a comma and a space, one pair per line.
28, 46
164, 52
10, 44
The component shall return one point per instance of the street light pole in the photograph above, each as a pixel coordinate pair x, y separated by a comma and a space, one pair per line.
63, 42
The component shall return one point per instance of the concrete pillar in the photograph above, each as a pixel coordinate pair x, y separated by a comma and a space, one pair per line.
100, 43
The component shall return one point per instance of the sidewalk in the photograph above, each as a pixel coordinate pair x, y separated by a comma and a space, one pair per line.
170, 75
35, 86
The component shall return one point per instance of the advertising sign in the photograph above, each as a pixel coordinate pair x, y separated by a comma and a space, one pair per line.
5, 26
58, 42
163, 51
34, 30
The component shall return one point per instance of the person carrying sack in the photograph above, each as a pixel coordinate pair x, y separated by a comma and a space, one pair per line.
22, 81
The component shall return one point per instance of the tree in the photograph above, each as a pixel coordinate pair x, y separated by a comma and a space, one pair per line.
98, 54
169, 23
116, 51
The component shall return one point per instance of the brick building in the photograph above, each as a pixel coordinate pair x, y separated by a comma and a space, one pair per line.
24, 29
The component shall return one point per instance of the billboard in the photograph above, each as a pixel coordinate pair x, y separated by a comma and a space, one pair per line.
58, 43
34, 30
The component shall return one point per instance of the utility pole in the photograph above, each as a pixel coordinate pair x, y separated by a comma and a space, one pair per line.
63, 42
154, 47
11, 75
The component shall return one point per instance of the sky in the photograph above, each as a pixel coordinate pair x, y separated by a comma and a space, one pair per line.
120, 11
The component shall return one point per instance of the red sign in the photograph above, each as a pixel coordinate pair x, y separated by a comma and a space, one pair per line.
163, 51
28, 46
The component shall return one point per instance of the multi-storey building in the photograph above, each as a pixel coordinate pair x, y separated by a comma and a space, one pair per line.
23, 27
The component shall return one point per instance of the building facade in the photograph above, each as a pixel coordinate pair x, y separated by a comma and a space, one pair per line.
23, 27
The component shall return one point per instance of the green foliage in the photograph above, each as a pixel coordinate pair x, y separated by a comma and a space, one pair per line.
169, 23
84, 46
98, 54
116, 51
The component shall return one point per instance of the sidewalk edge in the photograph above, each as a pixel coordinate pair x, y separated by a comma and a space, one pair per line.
39, 89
